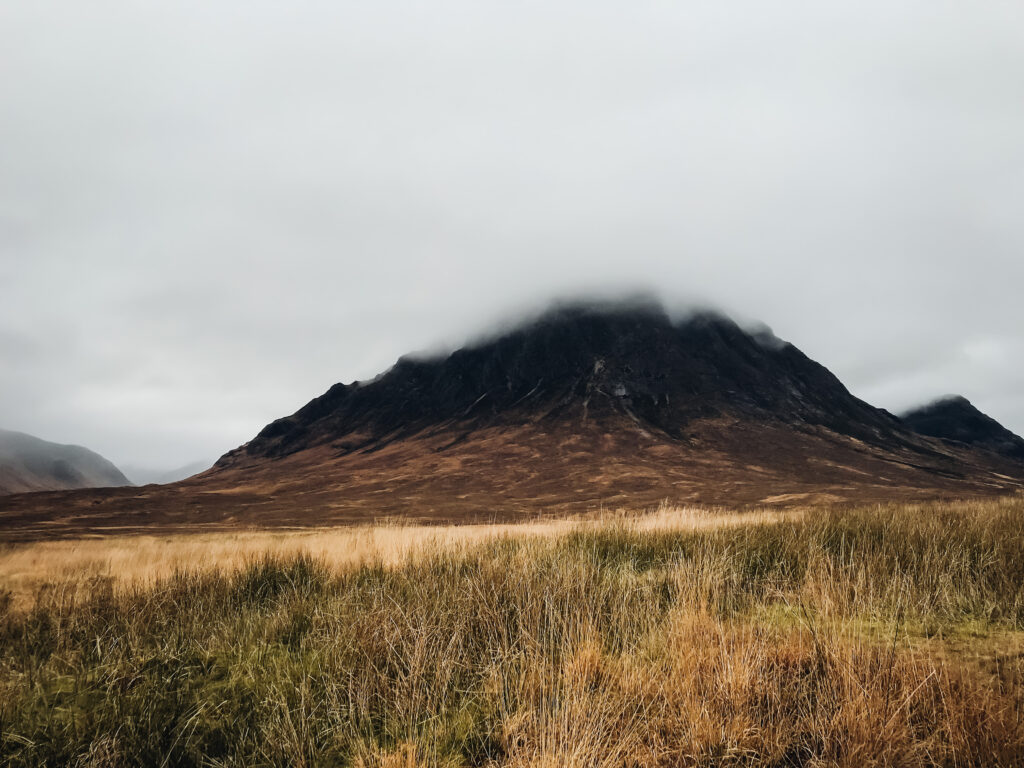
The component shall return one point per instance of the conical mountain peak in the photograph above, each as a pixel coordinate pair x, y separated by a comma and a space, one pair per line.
576, 363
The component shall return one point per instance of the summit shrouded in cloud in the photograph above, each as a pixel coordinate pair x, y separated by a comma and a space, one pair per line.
580, 365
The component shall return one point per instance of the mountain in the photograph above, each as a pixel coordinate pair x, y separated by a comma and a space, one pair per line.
955, 418
599, 405
583, 408
149, 476
30, 464
628, 366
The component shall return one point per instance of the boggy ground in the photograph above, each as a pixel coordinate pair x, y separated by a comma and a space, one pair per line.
882, 635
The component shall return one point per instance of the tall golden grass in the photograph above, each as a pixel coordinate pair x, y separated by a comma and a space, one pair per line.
146, 560
889, 635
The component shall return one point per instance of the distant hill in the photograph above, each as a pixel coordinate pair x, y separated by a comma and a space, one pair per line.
30, 464
955, 418
147, 476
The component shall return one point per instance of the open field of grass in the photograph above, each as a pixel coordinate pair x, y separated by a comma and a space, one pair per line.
139, 561
888, 635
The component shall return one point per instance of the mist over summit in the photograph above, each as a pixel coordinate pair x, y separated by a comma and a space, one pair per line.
583, 364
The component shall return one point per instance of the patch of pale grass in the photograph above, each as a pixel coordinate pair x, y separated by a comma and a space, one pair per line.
140, 561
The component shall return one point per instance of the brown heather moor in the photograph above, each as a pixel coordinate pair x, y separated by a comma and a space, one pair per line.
884, 635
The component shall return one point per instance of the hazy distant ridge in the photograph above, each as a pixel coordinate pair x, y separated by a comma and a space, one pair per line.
145, 476
30, 464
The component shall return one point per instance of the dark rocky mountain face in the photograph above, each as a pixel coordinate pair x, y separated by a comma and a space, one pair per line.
955, 418
602, 364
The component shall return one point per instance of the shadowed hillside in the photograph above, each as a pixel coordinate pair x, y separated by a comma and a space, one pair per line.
30, 464
955, 418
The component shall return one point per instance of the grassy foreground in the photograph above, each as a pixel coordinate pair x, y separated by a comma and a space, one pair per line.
882, 636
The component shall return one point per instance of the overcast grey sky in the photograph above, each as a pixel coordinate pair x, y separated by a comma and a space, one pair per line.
210, 212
